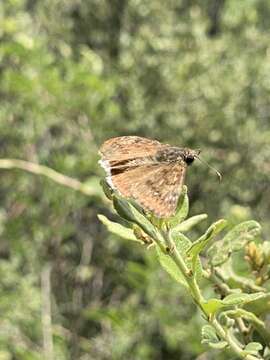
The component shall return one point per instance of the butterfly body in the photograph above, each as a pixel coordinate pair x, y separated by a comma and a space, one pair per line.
146, 170
176, 154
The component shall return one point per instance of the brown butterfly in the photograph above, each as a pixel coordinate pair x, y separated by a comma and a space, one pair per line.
146, 170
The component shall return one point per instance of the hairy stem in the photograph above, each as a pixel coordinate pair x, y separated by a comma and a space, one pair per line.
253, 319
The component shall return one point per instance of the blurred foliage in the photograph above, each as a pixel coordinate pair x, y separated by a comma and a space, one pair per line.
73, 73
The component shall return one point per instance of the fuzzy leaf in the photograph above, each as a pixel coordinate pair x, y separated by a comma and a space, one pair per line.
208, 334
214, 305
182, 243
253, 348
219, 345
242, 234
128, 212
241, 298
235, 240
118, 229
106, 189
216, 256
247, 284
210, 338
198, 246
261, 306
188, 224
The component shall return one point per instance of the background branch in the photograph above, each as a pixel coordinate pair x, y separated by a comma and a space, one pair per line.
48, 172
46, 314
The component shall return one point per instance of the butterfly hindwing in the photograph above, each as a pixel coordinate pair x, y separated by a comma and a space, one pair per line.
156, 187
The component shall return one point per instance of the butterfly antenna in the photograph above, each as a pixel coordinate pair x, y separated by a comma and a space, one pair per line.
211, 167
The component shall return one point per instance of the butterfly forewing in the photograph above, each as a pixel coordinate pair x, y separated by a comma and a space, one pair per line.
119, 149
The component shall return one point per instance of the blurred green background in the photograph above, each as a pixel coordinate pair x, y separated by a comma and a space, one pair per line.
73, 73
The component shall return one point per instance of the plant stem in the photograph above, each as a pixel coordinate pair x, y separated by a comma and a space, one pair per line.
252, 318
198, 297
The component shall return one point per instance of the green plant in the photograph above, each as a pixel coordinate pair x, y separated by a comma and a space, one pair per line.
234, 317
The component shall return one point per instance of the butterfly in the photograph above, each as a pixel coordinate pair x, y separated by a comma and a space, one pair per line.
147, 171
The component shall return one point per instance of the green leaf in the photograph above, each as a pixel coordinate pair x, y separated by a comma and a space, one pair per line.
235, 240
218, 345
239, 299
261, 306
216, 255
128, 212
106, 189
118, 229
253, 348
198, 246
210, 338
212, 306
188, 224
242, 234
227, 273
182, 243
181, 211
242, 298
209, 334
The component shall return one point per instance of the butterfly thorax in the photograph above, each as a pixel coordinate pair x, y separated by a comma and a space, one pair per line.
176, 154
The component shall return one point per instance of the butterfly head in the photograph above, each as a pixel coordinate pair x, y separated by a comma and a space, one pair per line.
190, 155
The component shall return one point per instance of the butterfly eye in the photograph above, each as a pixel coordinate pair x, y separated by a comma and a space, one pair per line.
189, 159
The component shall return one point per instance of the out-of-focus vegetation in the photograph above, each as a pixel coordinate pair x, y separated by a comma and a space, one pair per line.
73, 73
